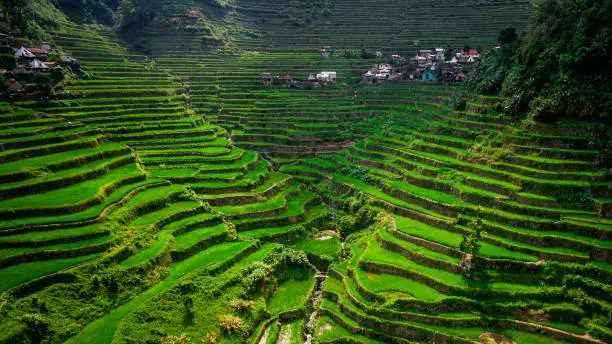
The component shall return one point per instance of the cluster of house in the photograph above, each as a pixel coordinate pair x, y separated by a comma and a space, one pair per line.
421, 67
33, 60
30, 60
428, 61
322, 78
463, 56
383, 72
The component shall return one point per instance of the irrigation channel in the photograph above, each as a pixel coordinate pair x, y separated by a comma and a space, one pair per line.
315, 301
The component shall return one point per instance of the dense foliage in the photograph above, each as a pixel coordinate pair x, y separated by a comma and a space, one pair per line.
27, 18
491, 70
302, 12
90, 11
564, 66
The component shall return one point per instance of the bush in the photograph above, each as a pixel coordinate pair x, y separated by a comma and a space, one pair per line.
565, 313
241, 305
211, 338
36, 325
459, 103
182, 339
356, 172
543, 109
562, 66
577, 197
7, 61
230, 323
255, 275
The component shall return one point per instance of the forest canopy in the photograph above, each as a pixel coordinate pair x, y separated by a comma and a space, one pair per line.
562, 67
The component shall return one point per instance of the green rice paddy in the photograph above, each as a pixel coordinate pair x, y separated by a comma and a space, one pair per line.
174, 194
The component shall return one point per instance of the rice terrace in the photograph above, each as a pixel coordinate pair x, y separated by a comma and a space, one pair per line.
305, 171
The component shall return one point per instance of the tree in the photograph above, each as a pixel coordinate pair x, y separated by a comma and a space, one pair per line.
364, 52
507, 36
471, 240
448, 54
36, 326
16, 15
44, 83
563, 68
470, 245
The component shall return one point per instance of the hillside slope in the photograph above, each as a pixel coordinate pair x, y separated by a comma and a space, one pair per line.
173, 198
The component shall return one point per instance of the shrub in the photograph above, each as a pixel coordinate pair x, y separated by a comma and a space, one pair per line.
471, 241
565, 313
256, 274
182, 339
356, 172
241, 305
7, 61
211, 338
36, 325
352, 204
488, 150
543, 109
459, 103
577, 197
230, 323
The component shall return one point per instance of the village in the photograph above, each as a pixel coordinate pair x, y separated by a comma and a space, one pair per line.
321, 79
429, 65
42, 67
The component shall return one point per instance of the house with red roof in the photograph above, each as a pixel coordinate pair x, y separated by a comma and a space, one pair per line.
466, 56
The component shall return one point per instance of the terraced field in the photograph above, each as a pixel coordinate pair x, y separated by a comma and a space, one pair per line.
405, 279
176, 199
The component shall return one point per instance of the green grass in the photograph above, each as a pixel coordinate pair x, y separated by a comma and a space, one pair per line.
187, 240
17, 274
89, 213
529, 338
52, 234
290, 295
72, 194
329, 330
81, 244
377, 254
453, 240
330, 247
171, 209
102, 330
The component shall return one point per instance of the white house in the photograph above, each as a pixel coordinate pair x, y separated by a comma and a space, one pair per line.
37, 65
23, 52
327, 76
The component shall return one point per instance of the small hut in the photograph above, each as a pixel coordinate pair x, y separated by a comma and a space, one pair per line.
37, 66
14, 87
266, 78
286, 79
40, 54
193, 17
24, 55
